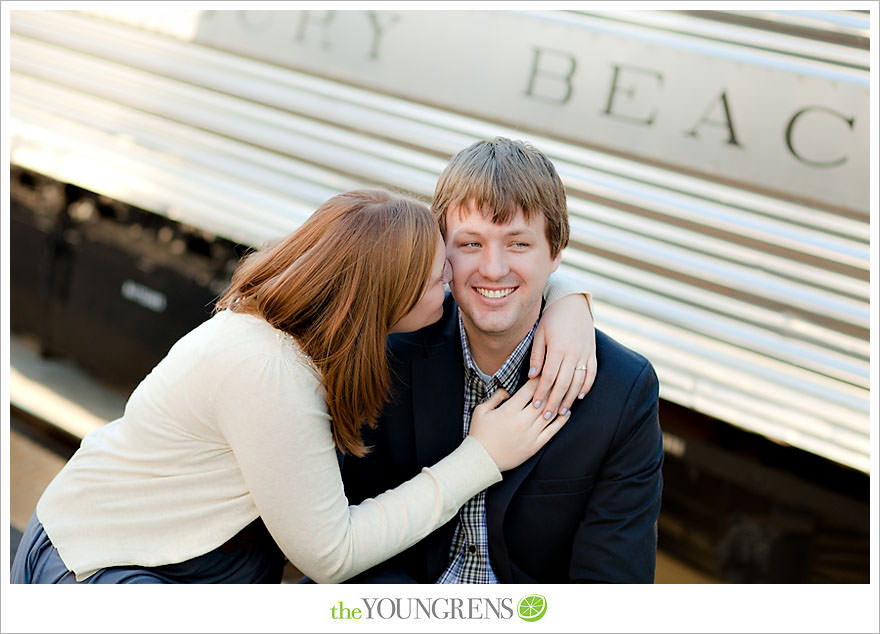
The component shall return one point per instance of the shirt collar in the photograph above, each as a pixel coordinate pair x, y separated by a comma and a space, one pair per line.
507, 375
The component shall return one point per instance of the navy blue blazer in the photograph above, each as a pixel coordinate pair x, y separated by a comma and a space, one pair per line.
583, 509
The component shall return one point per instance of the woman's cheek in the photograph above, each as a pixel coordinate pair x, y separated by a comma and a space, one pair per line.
439, 296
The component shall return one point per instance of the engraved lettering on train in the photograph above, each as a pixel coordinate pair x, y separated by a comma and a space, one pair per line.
789, 132
814, 135
629, 90
318, 27
726, 123
378, 22
629, 100
548, 68
310, 21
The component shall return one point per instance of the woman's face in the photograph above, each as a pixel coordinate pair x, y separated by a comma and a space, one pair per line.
430, 306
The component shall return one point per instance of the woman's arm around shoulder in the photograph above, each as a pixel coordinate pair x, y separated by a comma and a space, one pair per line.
564, 348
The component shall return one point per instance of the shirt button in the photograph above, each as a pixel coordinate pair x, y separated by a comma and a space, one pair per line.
472, 549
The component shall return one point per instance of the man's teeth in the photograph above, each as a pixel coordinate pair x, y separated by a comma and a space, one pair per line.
495, 294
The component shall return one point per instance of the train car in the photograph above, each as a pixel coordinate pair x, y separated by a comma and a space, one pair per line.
717, 171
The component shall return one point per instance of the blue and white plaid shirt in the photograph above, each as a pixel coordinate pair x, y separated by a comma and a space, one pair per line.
469, 553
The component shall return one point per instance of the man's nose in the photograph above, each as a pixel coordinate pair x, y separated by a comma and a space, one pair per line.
493, 265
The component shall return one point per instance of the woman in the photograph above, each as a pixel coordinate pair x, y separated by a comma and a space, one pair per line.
227, 450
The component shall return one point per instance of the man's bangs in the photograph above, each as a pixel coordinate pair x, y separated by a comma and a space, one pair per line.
500, 206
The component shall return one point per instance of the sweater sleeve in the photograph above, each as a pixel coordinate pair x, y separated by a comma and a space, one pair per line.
272, 413
561, 284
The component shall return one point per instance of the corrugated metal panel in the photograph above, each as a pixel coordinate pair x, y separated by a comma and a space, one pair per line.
753, 309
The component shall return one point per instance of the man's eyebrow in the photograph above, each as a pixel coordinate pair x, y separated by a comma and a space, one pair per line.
524, 231
520, 233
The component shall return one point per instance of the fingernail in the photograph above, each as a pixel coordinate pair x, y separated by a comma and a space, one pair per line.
533, 372
548, 415
537, 404
563, 412
582, 395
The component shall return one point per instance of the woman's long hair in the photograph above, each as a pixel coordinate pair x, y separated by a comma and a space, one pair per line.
337, 284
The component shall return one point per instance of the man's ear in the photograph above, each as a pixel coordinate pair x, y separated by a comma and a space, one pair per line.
556, 262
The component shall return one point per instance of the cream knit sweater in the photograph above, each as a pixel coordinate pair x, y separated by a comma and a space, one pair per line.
230, 426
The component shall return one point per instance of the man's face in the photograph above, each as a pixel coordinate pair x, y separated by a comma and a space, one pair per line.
498, 271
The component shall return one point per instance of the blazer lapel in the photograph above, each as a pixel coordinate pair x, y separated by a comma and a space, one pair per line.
438, 401
498, 499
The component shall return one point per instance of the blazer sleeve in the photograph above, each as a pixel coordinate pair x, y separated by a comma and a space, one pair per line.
616, 541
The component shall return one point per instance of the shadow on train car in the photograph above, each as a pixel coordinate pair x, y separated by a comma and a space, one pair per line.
104, 283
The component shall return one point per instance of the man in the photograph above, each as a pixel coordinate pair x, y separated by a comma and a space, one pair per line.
584, 508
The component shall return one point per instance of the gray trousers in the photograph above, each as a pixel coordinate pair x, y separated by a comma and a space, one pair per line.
250, 557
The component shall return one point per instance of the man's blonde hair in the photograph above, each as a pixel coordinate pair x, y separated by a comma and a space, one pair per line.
501, 176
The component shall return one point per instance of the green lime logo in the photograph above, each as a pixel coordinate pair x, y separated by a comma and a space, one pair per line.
532, 608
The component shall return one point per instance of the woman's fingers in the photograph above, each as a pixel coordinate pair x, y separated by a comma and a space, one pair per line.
548, 376
590, 376
536, 360
524, 395
511, 431
498, 397
571, 395
568, 378
550, 430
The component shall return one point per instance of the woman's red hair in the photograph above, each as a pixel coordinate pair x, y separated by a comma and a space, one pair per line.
338, 284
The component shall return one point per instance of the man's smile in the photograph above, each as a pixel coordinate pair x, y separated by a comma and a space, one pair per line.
495, 293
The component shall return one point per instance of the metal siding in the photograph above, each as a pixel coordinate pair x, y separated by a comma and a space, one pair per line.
753, 309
